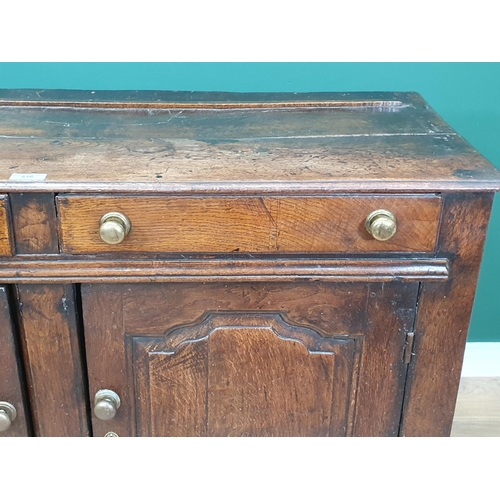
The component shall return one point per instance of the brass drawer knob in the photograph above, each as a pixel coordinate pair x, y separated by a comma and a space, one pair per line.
113, 228
381, 224
106, 403
8, 413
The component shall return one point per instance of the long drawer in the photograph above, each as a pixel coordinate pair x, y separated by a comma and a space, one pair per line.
216, 224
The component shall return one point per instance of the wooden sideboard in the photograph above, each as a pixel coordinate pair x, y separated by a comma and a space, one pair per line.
218, 264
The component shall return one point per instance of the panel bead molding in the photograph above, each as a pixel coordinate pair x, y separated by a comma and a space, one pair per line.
220, 264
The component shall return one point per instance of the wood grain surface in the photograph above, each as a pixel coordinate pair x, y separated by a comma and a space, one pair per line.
391, 315
244, 375
130, 329
35, 223
11, 384
443, 319
249, 224
53, 360
339, 142
328, 308
248, 298
210, 269
6, 239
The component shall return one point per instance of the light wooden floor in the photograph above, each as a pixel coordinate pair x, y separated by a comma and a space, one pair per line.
478, 408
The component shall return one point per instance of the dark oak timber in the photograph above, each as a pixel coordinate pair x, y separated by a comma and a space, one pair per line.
382, 374
222, 269
174, 141
249, 224
244, 375
238, 288
11, 385
238, 372
443, 319
35, 223
51, 348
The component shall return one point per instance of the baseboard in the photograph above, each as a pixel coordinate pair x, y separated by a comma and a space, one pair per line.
482, 359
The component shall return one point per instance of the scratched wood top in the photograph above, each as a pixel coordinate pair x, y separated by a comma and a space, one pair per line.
227, 142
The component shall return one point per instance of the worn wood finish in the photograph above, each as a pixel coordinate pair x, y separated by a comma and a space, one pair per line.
222, 270
208, 122
249, 224
103, 316
443, 319
6, 242
392, 141
11, 386
35, 223
383, 370
129, 329
344, 164
328, 308
248, 298
53, 359
243, 375
201, 106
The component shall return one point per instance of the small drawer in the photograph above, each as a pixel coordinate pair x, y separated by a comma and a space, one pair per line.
248, 224
5, 233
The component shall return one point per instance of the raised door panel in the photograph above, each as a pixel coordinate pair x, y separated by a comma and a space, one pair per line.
11, 390
243, 375
312, 359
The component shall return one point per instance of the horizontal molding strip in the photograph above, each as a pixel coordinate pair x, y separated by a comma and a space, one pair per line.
257, 188
203, 105
216, 270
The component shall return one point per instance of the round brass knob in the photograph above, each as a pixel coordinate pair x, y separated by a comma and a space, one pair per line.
106, 403
7, 414
381, 224
113, 228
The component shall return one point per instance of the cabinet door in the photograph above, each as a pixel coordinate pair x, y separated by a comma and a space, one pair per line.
13, 419
249, 359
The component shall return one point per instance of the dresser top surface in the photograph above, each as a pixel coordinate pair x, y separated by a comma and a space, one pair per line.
150, 141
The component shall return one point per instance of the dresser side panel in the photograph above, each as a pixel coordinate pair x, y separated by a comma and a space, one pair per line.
443, 318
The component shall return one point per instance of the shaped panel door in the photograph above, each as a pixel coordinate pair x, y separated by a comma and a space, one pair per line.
252, 359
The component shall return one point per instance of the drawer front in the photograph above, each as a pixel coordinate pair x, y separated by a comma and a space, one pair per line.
248, 224
5, 235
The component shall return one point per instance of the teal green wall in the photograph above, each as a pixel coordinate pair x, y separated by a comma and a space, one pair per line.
467, 95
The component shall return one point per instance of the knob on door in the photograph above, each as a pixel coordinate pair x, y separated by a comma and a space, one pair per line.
381, 224
113, 228
106, 403
8, 413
